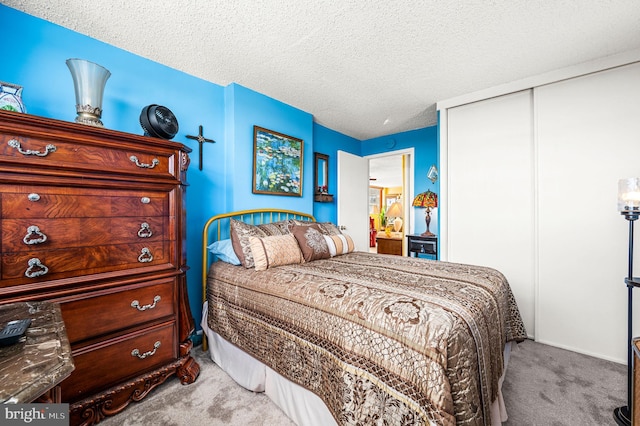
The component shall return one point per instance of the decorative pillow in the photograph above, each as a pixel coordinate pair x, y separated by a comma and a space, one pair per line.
223, 250
311, 241
330, 228
339, 244
275, 250
276, 228
240, 234
327, 228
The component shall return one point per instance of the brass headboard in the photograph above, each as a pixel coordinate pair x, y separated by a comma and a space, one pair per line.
217, 228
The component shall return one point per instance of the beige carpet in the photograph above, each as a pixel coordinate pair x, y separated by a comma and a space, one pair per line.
214, 399
547, 386
544, 386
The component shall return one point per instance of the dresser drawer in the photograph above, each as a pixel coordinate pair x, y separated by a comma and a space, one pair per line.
108, 363
20, 235
44, 202
87, 317
84, 156
44, 265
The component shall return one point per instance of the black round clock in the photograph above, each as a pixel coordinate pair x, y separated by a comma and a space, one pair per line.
158, 121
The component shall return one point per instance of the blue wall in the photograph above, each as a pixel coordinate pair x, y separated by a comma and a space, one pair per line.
248, 108
329, 142
35, 59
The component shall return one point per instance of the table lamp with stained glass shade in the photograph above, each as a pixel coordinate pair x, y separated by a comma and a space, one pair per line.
629, 207
429, 200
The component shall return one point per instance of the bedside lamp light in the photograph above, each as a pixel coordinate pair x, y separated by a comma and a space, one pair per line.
629, 195
629, 207
395, 210
429, 200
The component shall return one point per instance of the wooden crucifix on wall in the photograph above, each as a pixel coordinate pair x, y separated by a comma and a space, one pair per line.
201, 140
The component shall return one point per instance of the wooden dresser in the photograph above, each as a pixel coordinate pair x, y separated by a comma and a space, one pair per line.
94, 219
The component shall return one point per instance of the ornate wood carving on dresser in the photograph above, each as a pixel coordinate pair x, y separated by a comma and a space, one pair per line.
94, 219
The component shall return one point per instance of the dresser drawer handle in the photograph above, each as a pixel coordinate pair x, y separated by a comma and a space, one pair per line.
31, 231
33, 197
154, 162
48, 149
145, 200
136, 304
145, 255
145, 230
35, 269
137, 353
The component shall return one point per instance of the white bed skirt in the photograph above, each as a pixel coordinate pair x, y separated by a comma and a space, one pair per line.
301, 405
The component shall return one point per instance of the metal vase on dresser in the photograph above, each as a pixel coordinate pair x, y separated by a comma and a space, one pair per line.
89, 80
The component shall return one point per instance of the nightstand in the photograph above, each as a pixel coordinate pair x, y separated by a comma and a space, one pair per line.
422, 244
32, 368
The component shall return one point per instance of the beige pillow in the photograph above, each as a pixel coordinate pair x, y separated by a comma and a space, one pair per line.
339, 244
241, 232
311, 241
275, 250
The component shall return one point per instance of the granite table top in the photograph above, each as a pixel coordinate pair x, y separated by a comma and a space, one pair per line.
41, 359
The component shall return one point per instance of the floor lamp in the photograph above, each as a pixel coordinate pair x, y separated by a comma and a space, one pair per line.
629, 207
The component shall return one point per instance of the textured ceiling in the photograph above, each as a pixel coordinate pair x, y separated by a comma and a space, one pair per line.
363, 68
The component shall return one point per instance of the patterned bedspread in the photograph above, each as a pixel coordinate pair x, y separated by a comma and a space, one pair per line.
381, 339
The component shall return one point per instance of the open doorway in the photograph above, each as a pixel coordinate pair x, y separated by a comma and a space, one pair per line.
389, 213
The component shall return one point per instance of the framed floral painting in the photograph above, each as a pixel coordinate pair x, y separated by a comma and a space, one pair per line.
277, 163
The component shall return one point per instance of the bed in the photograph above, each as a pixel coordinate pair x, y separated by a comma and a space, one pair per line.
337, 336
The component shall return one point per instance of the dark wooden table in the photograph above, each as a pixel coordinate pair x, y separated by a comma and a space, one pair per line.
422, 244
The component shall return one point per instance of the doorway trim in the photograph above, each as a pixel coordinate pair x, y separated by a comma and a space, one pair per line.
408, 183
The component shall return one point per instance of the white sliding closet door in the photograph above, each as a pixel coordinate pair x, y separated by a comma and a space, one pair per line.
490, 211
588, 136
